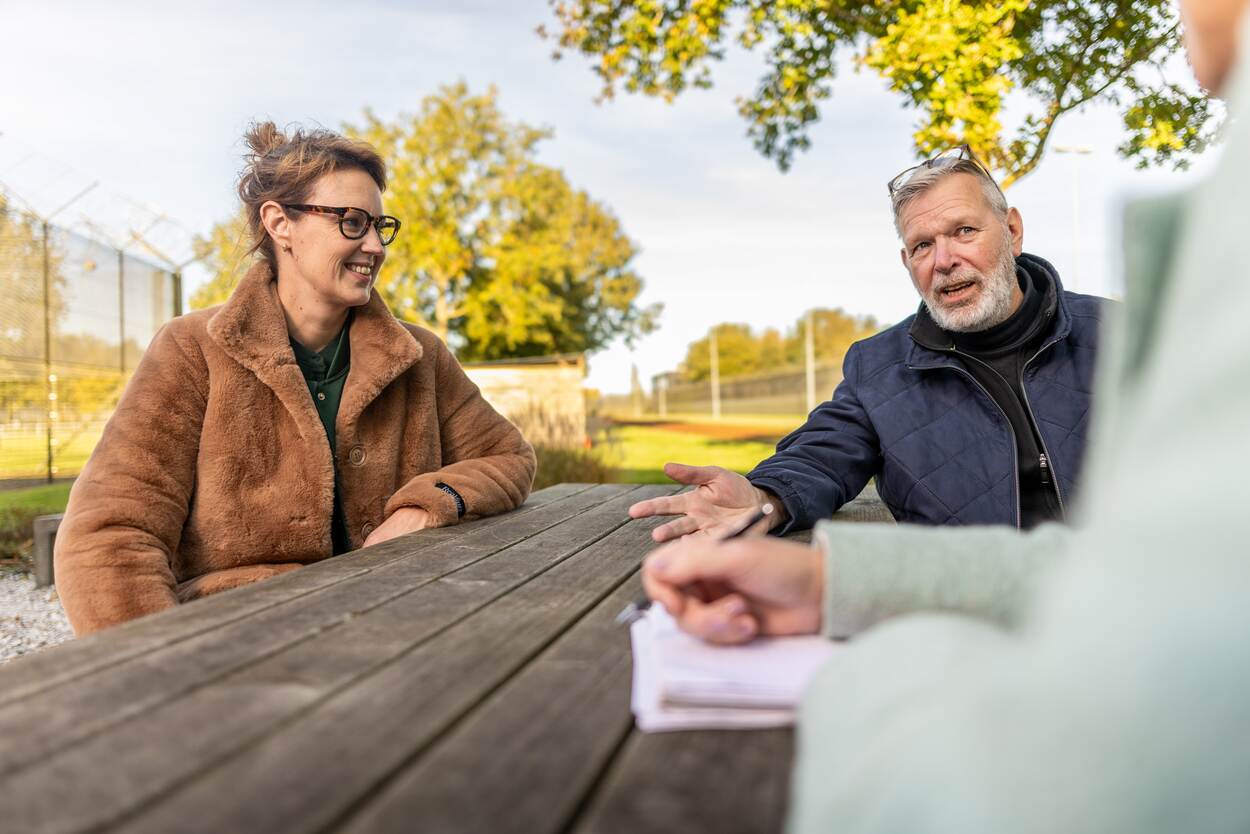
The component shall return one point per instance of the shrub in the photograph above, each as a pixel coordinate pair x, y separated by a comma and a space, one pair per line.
556, 465
17, 534
18, 510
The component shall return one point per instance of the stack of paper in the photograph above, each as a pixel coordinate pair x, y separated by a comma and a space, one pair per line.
683, 683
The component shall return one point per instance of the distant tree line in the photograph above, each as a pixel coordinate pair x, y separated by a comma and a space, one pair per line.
742, 351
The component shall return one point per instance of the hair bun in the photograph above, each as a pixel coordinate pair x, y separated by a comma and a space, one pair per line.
263, 138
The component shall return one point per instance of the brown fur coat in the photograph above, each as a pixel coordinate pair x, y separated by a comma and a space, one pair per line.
215, 470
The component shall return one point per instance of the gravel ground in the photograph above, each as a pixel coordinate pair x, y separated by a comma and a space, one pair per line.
30, 618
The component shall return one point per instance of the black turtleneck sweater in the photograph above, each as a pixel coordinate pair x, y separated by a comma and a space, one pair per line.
995, 358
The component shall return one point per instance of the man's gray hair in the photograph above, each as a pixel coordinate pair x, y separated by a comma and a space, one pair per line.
926, 178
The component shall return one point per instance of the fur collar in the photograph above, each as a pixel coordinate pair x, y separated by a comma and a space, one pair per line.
251, 329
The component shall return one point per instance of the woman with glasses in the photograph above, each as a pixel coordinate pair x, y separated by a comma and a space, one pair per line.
297, 421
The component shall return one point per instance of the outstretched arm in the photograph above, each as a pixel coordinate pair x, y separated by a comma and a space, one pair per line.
720, 503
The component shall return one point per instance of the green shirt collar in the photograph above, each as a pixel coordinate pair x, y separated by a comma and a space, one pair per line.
328, 363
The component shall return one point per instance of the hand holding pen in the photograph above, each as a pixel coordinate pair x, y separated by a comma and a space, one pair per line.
635, 609
732, 591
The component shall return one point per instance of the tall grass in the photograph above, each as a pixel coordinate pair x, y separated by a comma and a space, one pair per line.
556, 466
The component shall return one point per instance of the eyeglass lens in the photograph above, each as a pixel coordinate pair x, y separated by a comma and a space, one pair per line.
355, 224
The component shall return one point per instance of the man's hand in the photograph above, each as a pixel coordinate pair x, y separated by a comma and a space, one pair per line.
729, 592
404, 520
721, 502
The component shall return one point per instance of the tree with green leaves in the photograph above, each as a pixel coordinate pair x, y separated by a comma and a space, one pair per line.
954, 62
737, 353
499, 254
224, 254
834, 331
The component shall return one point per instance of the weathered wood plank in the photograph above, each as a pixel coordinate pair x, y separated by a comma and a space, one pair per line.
558, 723
314, 769
117, 772
24, 676
722, 781
54, 719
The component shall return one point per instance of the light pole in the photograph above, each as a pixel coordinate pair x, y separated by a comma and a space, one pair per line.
1083, 150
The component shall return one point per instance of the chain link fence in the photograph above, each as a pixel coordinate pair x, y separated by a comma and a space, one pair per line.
780, 392
784, 391
79, 304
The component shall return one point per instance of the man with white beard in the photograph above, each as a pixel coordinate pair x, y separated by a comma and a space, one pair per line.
972, 411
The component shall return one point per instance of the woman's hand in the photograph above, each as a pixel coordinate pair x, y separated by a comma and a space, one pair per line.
404, 520
729, 592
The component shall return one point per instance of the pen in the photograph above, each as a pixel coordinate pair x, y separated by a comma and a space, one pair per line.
634, 611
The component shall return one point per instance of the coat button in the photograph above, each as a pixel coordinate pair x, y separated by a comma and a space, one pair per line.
356, 455
321, 396
365, 531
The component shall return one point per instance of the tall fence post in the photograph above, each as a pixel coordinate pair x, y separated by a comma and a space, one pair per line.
50, 411
48, 379
121, 310
810, 354
715, 362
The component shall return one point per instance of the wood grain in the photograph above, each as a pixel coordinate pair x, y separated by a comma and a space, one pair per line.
114, 773
733, 782
555, 726
24, 676
317, 767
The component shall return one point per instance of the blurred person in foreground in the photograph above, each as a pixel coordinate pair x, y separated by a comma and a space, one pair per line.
1118, 699
297, 421
975, 410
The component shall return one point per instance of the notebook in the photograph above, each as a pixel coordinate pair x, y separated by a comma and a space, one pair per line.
683, 683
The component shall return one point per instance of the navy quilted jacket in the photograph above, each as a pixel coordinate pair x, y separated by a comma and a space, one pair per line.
941, 449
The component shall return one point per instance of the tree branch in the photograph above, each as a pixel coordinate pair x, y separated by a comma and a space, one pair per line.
1058, 107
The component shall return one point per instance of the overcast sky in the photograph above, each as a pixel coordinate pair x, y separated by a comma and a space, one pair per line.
152, 102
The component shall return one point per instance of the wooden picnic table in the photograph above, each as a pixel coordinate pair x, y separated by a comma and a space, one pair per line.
467, 678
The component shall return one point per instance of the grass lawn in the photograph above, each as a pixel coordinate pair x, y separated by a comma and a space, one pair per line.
50, 497
25, 453
639, 448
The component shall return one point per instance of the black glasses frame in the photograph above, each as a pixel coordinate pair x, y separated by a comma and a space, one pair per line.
386, 226
947, 157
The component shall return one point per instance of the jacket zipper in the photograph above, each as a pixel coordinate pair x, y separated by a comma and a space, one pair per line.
1046, 460
1015, 444
1043, 459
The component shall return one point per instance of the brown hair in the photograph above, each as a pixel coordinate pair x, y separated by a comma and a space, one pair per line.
284, 168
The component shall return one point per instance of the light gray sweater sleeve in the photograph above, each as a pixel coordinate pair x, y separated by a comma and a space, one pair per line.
1121, 703
876, 572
